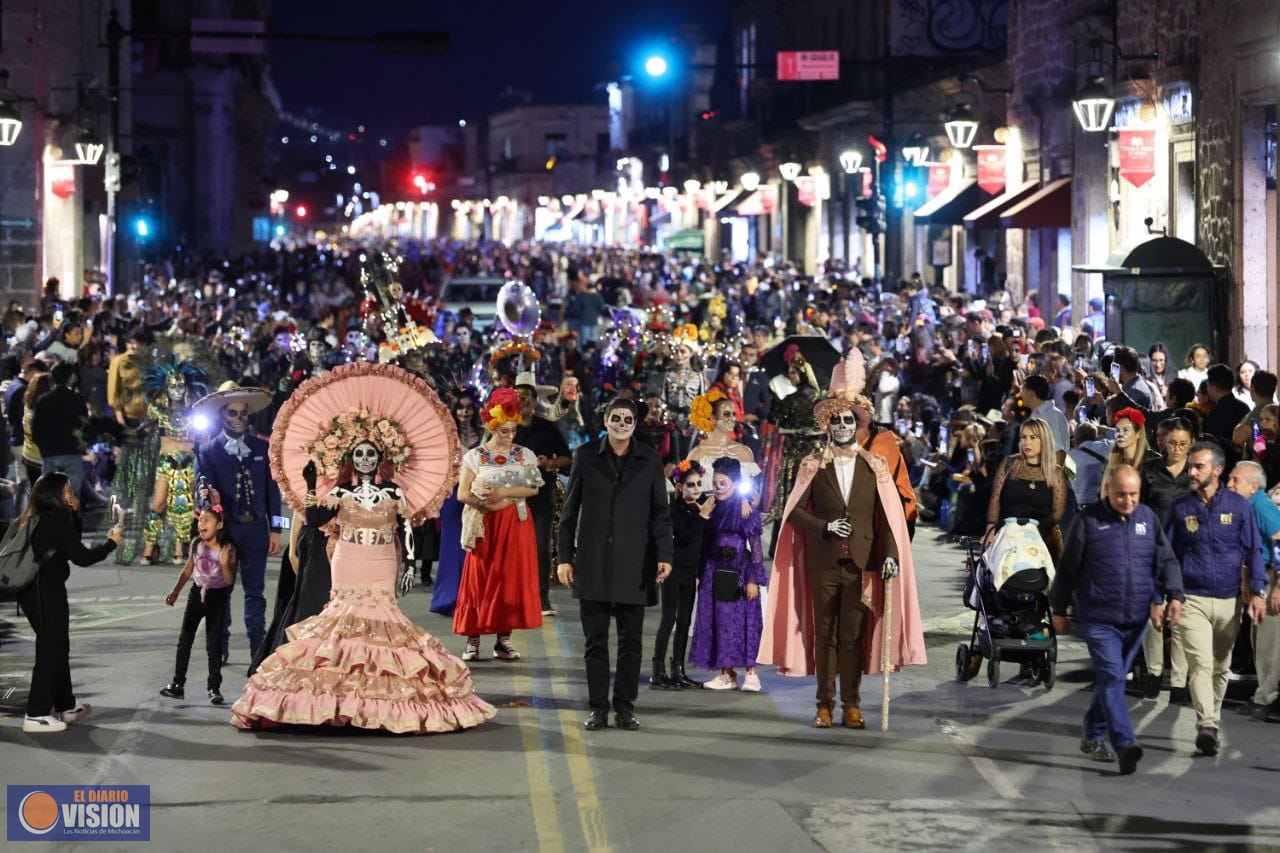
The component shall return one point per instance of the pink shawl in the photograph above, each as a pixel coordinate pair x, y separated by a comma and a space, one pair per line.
787, 642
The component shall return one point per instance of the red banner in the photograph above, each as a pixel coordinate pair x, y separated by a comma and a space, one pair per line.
1137, 150
868, 183
805, 190
808, 65
990, 167
939, 178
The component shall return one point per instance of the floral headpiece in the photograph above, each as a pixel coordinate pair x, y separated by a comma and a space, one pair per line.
686, 335
334, 443
682, 470
503, 407
1132, 415
702, 410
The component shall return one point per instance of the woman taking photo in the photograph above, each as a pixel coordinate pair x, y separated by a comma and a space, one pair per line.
53, 513
1030, 485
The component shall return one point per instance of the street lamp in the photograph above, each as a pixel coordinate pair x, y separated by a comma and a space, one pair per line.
850, 161
750, 181
961, 126
789, 170
692, 185
916, 151
10, 118
88, 149
1093, 105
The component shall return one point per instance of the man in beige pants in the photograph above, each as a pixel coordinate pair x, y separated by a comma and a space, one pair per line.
1249, 481
1215, 538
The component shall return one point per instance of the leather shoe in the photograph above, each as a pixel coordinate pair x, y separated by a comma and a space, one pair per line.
1207, 740
626, 721
822, 720
596, 720
852, 719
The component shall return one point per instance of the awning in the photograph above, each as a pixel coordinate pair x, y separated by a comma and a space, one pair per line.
1156, 256
729, 199
988, 215
687, 240
756, 204
949, 206
1048, 207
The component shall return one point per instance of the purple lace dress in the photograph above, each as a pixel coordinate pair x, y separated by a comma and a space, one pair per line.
727, 633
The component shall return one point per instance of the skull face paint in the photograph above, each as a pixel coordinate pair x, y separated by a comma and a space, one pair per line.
365, 458
620, 423
842, 428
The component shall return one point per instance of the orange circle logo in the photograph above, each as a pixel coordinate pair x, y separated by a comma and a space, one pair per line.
38, 812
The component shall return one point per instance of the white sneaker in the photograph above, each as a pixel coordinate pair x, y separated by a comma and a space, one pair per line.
721, 682
76, 714
550, 611
471, 652
751, 684
40, 725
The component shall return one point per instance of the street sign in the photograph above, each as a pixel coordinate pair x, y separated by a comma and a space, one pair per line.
808, 65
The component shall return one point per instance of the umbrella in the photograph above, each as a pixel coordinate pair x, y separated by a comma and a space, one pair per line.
817, 350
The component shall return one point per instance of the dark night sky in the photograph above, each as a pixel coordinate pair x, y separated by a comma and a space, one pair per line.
557, 51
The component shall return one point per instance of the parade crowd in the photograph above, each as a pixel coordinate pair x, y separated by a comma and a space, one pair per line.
749, 447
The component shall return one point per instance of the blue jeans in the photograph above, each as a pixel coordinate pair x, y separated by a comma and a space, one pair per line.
252, 576
72, 465
1112, 649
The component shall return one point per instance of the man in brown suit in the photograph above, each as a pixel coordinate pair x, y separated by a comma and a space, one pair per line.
840, 513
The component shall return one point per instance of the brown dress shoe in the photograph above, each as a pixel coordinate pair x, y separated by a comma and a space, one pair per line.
852, 719
822, 720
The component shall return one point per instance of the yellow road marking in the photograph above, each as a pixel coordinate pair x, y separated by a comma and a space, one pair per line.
595, 830
542, 796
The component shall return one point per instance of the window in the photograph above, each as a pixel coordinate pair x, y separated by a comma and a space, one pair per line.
556, 144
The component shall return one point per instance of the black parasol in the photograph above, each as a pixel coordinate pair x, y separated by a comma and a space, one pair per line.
817, 350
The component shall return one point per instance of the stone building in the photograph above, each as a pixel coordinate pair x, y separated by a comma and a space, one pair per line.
1202, 78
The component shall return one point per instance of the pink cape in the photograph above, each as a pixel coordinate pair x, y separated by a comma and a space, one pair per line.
787, 642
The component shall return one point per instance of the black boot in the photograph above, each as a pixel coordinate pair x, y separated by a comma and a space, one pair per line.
659, 680
681, 681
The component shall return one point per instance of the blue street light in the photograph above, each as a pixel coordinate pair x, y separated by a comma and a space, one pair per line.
142, 228
655, 66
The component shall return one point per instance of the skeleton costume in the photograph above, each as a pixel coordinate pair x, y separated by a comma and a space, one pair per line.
361, 661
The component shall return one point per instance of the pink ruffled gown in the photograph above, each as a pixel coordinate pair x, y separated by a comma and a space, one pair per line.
361, 662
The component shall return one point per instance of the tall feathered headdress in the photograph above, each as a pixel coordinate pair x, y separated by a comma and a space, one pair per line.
156, 377
845, 391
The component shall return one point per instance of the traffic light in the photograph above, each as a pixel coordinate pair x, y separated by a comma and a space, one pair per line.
871, 214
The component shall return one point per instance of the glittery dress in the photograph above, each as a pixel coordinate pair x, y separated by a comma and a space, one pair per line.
361, 662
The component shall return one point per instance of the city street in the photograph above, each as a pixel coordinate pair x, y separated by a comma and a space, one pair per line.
962, 766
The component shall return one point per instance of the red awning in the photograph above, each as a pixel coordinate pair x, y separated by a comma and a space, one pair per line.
1048, 207
988, 215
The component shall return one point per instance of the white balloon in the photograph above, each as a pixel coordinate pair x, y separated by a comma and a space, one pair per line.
518, 308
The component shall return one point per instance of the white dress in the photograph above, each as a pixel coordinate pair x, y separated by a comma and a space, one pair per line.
518, 467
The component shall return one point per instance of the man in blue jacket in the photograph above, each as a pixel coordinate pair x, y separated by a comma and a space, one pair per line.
1117, 562
1215, 537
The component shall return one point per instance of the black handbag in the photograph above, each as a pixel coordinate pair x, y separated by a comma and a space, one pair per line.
726, 585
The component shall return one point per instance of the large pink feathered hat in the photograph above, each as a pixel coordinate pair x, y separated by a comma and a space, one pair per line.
845, 391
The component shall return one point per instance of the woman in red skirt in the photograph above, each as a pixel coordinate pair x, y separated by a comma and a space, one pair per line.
499, 589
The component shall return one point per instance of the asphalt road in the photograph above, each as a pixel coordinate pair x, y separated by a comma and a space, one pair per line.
963, 766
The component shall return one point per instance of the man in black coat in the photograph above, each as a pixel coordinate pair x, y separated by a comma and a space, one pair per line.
615, 547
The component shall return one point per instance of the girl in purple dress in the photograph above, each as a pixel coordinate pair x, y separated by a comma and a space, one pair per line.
726, 633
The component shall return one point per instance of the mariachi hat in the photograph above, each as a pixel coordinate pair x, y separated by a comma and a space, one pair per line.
528, 380
845, 391
230, 392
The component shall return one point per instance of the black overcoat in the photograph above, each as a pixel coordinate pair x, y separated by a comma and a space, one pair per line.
615, 526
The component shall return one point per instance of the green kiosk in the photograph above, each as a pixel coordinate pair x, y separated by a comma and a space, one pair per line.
1164, 289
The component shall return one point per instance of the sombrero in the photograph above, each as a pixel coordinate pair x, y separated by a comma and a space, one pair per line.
528, 380
229, 392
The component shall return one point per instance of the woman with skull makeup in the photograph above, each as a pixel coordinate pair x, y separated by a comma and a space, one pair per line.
682, 385
499, 590
715, 417
172, 386
361, 661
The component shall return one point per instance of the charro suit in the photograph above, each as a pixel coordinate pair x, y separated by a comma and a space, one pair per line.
834, 570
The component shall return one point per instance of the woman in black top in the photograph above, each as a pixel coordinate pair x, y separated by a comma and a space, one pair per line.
53, 511
689, 514
1031, 485
1165, 479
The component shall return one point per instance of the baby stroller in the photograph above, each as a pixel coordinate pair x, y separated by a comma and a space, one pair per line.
1007, 587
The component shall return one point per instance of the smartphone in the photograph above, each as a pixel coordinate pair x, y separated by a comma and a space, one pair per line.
1090, 388
918, 429
973, 458
986, 352
1081, 415
1115, 372
943, 434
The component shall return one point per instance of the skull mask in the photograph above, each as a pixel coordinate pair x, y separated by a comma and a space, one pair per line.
621, 423
365, 458
316, 351
175, 388
355, 340
842, 428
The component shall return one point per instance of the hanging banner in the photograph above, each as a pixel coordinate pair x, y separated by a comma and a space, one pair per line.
805, 190
1137, 150
939, 178
990, 167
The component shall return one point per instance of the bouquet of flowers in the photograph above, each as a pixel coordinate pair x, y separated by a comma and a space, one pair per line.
331, 447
